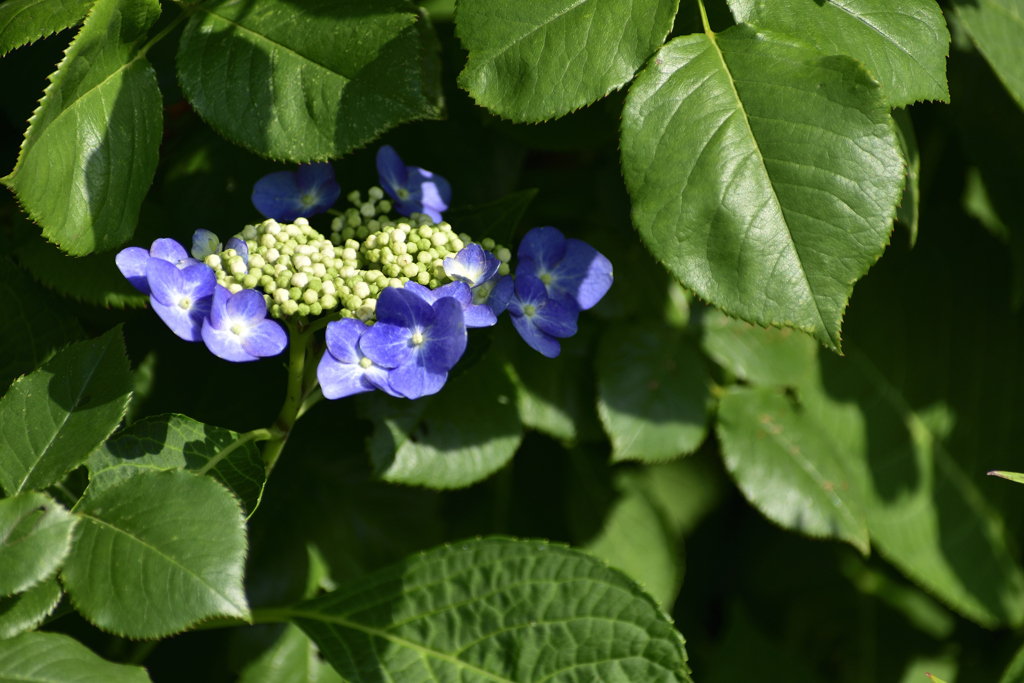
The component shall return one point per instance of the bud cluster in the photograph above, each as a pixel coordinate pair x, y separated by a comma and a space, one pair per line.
303, 273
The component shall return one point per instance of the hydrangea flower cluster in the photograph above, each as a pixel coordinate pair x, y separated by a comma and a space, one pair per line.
400, 293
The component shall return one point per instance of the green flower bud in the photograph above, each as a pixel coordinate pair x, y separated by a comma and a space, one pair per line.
315, 284
398, 236
424, 257
504, 269
361, 290
354, 197
373, 225
439, 239
456, 245
319, 271
250, 281
336, 224
237, 266
368, 210
353, 302
234, 288
272, 255
328, 302
303, 309
315, 308
256, 262
362, 232
281, 295
503, 254
487, 243
384, 206
423, 278
336, 238
294, 293
382, 281
265, 280
396, 282
284, 279
423, 244
375, 194
310, 297
213, 261
276, 312
411, 247
410, 270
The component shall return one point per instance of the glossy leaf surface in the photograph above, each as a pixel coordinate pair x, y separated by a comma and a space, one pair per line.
35, 537
57, 658
535, 60
157, 553
763, 173
25, 611
53, 418
25, 21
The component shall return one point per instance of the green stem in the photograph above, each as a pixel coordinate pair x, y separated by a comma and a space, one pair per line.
323, 322
254, 435
704, 18
299, 351
185, 13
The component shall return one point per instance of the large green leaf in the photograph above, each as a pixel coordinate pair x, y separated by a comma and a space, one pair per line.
309, 84
292, 659
653, 395
495, 611
53, 418
790, 466
903, 43
168, 442
26, 21
25, 611
157, 553
764, 174
33, 324
91, 148
533, 60
35, 537
997, 28
57, 658
458, 437
770, 357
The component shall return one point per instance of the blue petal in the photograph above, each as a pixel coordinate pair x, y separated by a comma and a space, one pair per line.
318, 190
204, 243
530, 291
186, 324
247, 307
536, 339
423, 292
472, 265
198, 281
276, 196
584, 275
391, 171
498, 294
343, 339
434, 192
165, 281
381, 378
168, 250
445, 340
413, 379
386, 344
266, 338
546, 246
132, 264
556, 319
338, 380
240, 247
225, 344
403, 308
218, 308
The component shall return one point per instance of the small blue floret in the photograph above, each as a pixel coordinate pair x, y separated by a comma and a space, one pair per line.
344, 369
539, 319
572, 271
284, 195
237, 328
412, 189
181, 298
132, 261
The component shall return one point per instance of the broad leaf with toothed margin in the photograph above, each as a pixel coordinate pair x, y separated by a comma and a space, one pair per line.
763, 174
904, 43
495, 611
53, 418
57, 658
26, 21
157, 553
91, 148
35, 537
307, 85
167, 442
533, 60
997, 28
25, 611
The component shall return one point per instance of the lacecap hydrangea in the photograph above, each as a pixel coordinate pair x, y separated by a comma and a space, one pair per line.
396, 293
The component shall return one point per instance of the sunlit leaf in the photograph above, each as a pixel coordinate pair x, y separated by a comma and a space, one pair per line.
57, 658
997, 28
26, 21
35, 537
25, 611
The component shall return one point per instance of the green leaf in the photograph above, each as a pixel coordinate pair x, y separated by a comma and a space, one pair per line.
907, 213
997, 29
495, 611
91, 148
292, 659
769, 357
455, 438
35, 537
1015, 671
305, 85
167, 442
683, 491
56, 658
636, 540
653, 395
790, 467
32, 324
712, 113
25, 21
53, 418
539, 59
25, 611
1012, 476
157, 553
498, 219
903, 43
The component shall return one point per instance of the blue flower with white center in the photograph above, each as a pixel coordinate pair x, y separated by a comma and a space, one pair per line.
473, 265
538, 318
181, 298
417, 342
132, 261
572, 271
284, 195
344, 369
238, 330
206, 243
412, 189
474, 315
495, 294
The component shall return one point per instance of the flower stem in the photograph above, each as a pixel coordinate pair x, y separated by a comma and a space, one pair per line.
254, 435
298, 343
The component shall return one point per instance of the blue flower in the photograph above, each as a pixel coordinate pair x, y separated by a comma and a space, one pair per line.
344, 369
538, 318
573, 272
237, 328
181, 298
473, 265
205, 243
284, 195
412, 189
418, 342
132, 261
495, 294
474, 315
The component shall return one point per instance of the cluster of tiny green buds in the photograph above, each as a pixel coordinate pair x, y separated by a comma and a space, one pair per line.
303, 273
